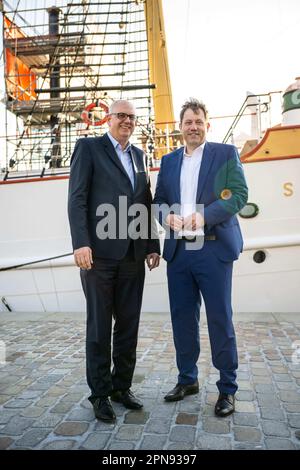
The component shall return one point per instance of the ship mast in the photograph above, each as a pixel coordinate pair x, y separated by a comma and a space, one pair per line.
64, 65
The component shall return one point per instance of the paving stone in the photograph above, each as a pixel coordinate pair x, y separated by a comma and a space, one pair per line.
286, 386
6, 415
27, 394
291, 407
16, 426
247, 446
211, 398
138, 378
73, 397
262, 371
18, 403
96, 441
136, 417
208, 410
153, 442
210, 442
103, 426
33, 438
245, 419
180, 446
48, 421
4, 399
297, 435
244, 385
291, 397
158, 426
14, 390
64, 444
81, 414
267, 400
189, 406
216, 425
5, 442
275, 414
186, 418
262, 380
275, 428
245, 396
62, 407
163, 410
121, 446
294, 420
244, 407
279, 369
183, 434
129, 432
282, 378
33, 412
46, 402
246, 434
279, 444
57, 391
72, 428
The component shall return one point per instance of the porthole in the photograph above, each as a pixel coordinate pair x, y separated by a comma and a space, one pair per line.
249, 210
259, 256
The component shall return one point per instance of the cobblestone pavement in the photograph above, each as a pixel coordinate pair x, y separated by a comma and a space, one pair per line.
43, 393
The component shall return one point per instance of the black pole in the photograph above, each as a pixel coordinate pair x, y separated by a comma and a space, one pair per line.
54, 90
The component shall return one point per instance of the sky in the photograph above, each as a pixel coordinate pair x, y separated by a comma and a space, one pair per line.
218, 50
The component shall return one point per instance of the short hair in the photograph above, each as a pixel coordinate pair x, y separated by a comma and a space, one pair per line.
195, 105
115, 103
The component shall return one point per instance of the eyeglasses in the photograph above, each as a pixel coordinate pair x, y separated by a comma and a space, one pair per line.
123, 116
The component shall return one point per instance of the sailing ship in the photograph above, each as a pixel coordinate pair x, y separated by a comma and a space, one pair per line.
64, 65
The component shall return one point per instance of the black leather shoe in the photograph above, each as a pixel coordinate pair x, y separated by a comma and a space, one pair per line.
127, 398
179, 392
103, 409
225, 405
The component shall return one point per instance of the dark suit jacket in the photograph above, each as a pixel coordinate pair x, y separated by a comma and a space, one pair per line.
98, 177
220, 169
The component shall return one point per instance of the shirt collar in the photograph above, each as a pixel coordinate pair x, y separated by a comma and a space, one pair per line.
117, 144
197, 152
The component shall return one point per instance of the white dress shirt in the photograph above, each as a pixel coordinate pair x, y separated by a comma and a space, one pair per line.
124, 156
188, 186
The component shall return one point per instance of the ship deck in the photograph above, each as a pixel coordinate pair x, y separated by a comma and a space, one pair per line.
43, 393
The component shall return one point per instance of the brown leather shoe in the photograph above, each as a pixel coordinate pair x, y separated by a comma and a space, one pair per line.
179, 392
103, 409
127, 398
225, 405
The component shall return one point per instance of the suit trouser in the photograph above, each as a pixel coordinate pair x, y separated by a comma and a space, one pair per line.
190, 273
113, 289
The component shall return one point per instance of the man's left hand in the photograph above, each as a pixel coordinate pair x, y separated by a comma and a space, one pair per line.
193, 222
153, 260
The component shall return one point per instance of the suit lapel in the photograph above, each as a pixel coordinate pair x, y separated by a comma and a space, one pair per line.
206, 163
135, 164
178, 164
109, 148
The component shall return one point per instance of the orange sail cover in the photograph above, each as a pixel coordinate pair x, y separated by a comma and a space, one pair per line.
20, 81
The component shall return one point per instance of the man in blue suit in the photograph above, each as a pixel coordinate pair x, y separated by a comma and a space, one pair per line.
200, 248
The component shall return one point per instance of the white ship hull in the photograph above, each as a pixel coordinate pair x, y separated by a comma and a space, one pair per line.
35, 227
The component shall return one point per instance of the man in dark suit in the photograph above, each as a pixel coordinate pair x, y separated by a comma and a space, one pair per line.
108, 176
205, 184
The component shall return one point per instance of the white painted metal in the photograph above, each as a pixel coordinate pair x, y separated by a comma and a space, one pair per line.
34, 226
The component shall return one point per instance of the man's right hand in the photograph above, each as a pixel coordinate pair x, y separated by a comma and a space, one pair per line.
83, 257
175, 222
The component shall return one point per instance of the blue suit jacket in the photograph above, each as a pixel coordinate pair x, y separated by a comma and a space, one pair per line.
220, 170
